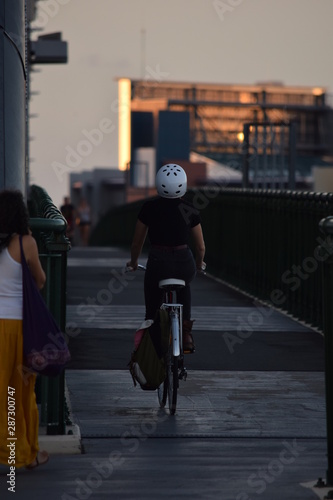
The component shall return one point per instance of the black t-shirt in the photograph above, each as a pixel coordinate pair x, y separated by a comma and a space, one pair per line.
169, 221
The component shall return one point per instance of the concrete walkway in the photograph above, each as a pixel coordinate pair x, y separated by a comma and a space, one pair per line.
250, 419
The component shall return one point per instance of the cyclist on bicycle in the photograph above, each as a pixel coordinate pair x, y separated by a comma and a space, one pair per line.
169, 221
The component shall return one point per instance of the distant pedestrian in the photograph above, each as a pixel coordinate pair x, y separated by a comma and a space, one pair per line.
83, 220
68, 211
19, 420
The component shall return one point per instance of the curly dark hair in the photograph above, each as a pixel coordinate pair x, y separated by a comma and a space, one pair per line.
14, 217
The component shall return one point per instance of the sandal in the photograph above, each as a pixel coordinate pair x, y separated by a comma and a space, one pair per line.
42, 458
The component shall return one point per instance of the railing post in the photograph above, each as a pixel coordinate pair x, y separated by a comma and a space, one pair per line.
326, 256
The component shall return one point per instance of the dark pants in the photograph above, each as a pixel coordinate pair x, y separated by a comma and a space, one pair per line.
164, 264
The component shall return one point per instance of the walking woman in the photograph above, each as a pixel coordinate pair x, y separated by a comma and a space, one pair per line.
21, 387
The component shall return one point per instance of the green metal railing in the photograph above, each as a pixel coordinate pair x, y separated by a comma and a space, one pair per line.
48, 228
264, 242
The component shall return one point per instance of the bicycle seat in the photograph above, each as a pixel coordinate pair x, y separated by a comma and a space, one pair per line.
171, 284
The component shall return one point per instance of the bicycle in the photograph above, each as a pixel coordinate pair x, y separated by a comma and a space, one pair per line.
174, 357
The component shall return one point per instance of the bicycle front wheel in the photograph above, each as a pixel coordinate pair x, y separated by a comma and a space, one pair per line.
162, 392
173, 382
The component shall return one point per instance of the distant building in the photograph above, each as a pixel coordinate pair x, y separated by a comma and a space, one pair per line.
161, 121
201, 126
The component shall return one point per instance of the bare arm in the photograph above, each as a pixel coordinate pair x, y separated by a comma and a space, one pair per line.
31, 255
199, 245
139, 237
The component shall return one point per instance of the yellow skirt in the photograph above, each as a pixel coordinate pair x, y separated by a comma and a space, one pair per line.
19, 419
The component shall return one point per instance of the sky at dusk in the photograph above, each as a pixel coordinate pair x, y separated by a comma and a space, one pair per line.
208, 41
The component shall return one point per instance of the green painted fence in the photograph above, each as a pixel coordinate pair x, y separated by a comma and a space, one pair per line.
48, 228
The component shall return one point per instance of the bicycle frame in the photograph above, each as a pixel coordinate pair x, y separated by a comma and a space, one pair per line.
176, 319
175, 357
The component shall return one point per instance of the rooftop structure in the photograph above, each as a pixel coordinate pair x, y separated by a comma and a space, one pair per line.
174, 119
218, 112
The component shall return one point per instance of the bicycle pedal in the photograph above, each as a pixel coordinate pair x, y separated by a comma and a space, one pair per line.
183, 374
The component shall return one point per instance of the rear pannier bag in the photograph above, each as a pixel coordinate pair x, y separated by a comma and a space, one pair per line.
151, 341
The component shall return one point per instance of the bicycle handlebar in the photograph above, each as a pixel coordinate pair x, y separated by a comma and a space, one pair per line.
129, 269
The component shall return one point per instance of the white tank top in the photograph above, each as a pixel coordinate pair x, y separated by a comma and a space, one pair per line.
11, 296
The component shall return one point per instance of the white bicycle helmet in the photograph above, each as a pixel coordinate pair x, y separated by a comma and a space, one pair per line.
171, 181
